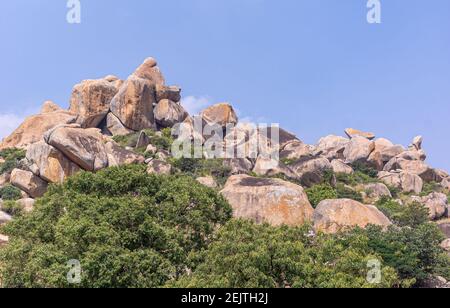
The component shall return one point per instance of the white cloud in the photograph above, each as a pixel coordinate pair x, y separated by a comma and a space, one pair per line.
194, 104
8, 123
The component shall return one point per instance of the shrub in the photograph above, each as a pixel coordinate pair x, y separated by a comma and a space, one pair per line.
9, 192
355, 178
430, 187
12, 208
127, 228
344, 192
410, 215
12, 159
197, 167
246, 255
365, 169
318, 193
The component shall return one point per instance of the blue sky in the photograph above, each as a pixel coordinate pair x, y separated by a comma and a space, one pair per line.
314, 66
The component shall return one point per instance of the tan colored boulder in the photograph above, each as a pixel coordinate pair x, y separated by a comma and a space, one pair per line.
310, 171
382, 155
271, 167
133, 104
4, 218
172, 93
417, 167
33, 128
49, 163
118, 156
207, 181
84, 147
358, 149
26, 204
220, 114
3, 240
91, 100
168, 113
332, 147
413, 155
272, 201
29, 183
238, 165
437, 205
115, 127
49, 107
296, 150
351, 133
332, 216
157, 166
377, 190
340, 167
150, 71
405, 181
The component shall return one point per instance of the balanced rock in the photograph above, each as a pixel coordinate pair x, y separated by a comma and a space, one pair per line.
351, 133
272, 201
171, 93
358, 149
168, 113
310, 171
49, 163
332, 216
133, 104
84, 147
29, 183
33, 128
91, 101
220, 114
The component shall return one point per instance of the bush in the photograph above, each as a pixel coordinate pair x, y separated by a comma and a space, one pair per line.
246, 255
9, 192
355, 178
197, 167
318, 193
12, 159
430, 187
363, 168
344, 192
127, 228
411, 215
12, 208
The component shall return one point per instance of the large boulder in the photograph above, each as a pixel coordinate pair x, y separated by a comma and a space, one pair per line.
340, 167
133, 104
220, 114
271, 167
417, 167
407, 182
377, 190
91, 101
118, 156
150, 71
207, 181
382, 155
172, 93
160, 167
168, 113
332, 216
332, 147
272, 201
437, 205
310, 171
49, 163
84, 147
358, 150
115, 127
33, 128
352, 133
296, 150
29, 183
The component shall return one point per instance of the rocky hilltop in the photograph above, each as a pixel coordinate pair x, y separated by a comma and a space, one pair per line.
339, 183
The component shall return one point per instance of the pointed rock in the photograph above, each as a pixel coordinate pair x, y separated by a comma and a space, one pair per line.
150, 71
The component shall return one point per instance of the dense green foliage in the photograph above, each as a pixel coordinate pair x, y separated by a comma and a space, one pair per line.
318, 193
162, 140
127, 228
9, 192
197, 167
344, 192
12, 208
411, 215
12, 159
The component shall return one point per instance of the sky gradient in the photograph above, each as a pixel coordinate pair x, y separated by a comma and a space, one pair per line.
314, 66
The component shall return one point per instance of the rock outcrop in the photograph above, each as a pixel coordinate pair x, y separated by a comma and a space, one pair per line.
220, 114
332, 216
28, 182
272, 201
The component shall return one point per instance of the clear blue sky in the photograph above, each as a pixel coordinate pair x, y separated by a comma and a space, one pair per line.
314, 66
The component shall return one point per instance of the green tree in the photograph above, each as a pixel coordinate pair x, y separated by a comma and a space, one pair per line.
320, 192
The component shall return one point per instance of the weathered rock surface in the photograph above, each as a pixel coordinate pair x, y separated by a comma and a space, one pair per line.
33, 128
91, 101
417, 167
437, 205
118, 156
310, 171
340, 167
331, 147
157, 166
207, 181
49, 163
220, 114
272, 201
50, 106
405, 181
133, 104
29, 183
377, 190
332, 216
85, 147
358, 149
169, 113
296, 150
172, 93
351, 133
270, 167
150, 71
446, 183
115, 127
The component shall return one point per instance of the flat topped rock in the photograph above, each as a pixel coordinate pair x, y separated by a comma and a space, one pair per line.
351, 132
